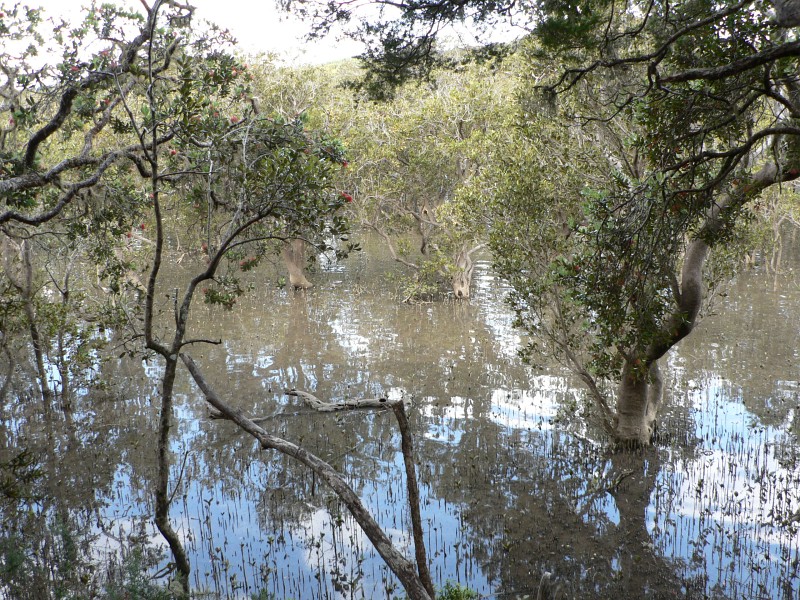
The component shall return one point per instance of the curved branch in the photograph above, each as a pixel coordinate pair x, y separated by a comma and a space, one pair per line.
738, 66
33, 180
690, 297
573, 76
64, 109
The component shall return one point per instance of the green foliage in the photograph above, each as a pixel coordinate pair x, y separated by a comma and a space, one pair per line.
131, 578
692, 108
226, 296
408, 157
44, 556
48, 554
456, 591
17, 478
575, 24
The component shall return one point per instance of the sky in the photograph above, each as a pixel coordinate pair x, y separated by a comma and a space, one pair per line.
257, 24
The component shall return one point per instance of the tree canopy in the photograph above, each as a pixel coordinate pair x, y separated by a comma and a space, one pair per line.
677, 116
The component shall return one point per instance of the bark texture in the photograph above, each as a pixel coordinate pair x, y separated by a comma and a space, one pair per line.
321, 406
638, 402
407, 442
787, 13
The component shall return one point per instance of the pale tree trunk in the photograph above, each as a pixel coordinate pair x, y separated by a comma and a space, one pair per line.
425, 227
294, 257
641, 388
638, 400
461, 276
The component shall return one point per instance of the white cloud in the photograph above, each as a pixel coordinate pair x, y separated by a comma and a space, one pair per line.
257, 25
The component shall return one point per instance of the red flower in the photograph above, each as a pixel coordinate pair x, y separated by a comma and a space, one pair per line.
234, 119
347, 197
345, 163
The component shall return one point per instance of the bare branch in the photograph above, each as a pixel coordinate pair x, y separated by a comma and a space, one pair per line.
322, 406
400, 566
739, 66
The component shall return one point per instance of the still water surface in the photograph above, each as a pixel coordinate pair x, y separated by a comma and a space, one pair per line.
513, 485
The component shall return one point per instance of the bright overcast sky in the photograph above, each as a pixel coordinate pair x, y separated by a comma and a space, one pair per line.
257, 24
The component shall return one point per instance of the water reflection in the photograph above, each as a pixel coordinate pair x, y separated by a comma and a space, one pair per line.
509, 493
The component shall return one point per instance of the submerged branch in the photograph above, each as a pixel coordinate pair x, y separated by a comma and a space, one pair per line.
322, 406
399, 564
214, 414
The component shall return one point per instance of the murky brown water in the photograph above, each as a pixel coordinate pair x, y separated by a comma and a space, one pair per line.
509, 492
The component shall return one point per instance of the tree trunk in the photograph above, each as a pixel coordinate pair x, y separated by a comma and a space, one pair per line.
294, 257
638, 400
64, 375
407, 445
787, 13
640, 389
462, 275
162, 487
38, 352
425, 226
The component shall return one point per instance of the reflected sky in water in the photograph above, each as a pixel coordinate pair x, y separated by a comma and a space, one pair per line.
512, 487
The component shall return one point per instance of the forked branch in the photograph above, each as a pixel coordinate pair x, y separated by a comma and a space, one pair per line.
400, 566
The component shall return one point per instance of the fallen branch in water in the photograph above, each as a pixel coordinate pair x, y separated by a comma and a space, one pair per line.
403, 568
213, 413
322, 406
